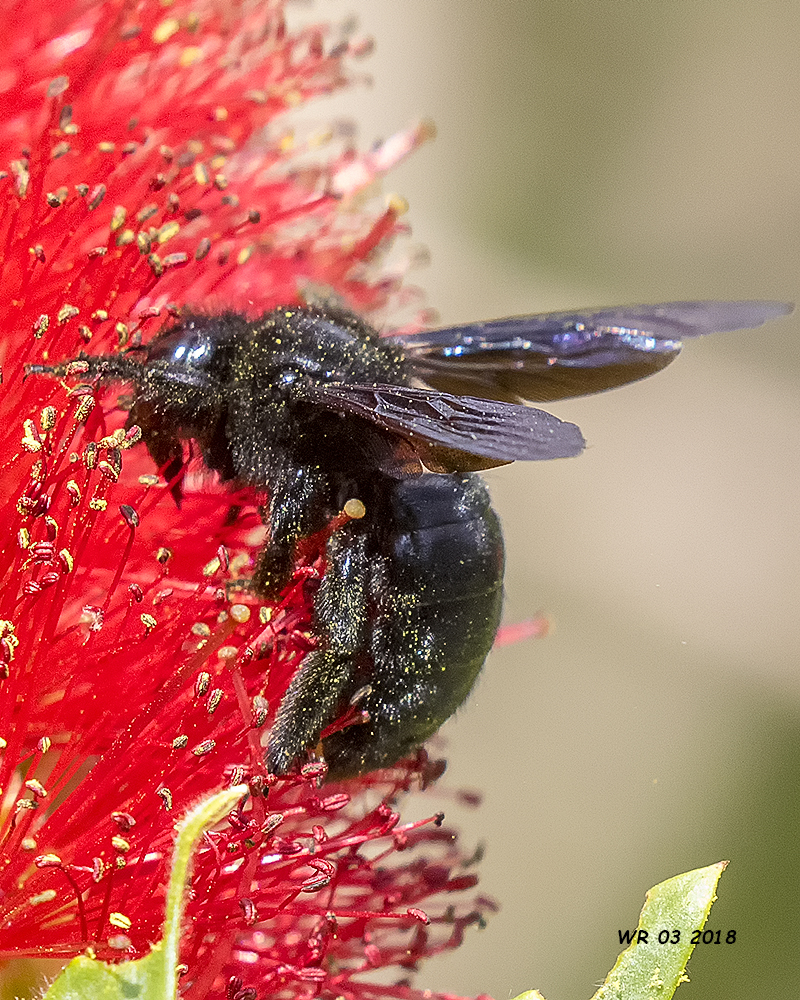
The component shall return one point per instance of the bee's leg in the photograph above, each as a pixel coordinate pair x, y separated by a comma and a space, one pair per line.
297, 508
319, 691
273, 566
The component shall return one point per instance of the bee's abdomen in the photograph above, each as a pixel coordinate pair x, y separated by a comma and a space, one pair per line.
437, 593
447, 544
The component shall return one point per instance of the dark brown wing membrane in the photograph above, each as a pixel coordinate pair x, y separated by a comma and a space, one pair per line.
499, 432
557, 355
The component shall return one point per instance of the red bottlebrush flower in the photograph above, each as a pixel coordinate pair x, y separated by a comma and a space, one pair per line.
144, 166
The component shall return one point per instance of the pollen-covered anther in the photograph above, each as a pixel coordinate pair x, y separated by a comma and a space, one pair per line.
120, 844
167, 231
120, 921
74, 492
6, 655
240, 613
175, 259
22, 177
83, 409
66, 313
354, 509
180, 742
42, 897
48, 861
203, 748
325, 872
165, 29
148, 621
202, 683
123, 820
201, 174
213, 700
129, 515
65, 560
260, 708
235, 775
111, 440
42, 552
163, 555
165, 795
31, 445
97, 195
118, 217
144, 242
41, 325
36, 787
93, 617
44, 744
249, 912
107, 470
363, 692
47, 419
26, 506
30, 430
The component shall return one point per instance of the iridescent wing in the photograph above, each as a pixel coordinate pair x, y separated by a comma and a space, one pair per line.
555, 355
452, 433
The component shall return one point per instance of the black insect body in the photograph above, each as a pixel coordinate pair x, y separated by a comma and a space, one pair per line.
315, 409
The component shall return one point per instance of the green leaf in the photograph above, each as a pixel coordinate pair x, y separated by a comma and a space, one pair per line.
155, 976
645, 971
649, 970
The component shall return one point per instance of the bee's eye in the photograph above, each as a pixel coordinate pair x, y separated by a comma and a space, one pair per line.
183, 347
193, 352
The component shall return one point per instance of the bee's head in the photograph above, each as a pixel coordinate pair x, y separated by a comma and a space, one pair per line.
195, 344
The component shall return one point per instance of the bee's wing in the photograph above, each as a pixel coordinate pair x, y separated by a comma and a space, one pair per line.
446, 429
556, 355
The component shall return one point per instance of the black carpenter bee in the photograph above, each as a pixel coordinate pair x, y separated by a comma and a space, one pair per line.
315, 408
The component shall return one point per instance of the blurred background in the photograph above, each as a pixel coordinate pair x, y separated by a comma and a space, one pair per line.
590, 154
